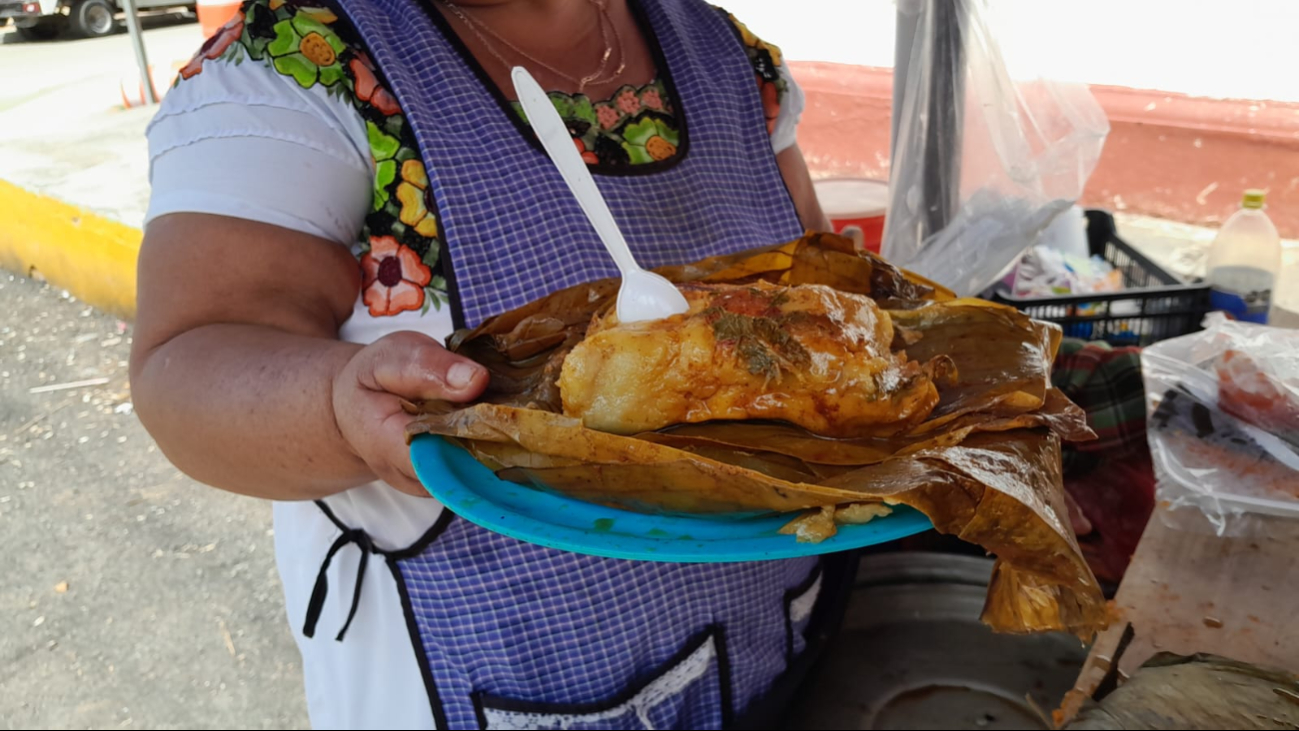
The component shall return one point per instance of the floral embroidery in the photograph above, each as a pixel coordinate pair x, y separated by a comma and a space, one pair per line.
399, 250
620, 131
215, 46
651, 99
650, 139
394, 278
383, 151
410, 193
307, 49
590, 158
600, 129
368, 88
628, 101
608, 116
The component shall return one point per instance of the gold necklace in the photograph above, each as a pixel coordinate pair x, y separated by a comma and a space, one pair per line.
478, 27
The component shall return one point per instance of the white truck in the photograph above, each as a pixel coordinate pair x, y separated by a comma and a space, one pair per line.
46, 19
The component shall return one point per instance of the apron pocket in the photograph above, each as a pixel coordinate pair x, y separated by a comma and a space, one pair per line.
799, 603
692, 690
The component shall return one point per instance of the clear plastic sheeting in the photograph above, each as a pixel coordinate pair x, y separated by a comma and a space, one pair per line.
1223, 425
982, 162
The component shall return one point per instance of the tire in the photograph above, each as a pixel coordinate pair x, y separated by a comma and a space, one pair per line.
44, 29
93, 18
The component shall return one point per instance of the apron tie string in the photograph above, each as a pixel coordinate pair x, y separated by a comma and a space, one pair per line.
317, 603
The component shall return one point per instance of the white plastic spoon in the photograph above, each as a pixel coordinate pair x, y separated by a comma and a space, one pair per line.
643, 295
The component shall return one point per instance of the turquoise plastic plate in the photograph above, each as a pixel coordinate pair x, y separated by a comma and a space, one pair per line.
475, 493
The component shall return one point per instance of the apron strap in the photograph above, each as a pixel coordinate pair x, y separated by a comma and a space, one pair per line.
321, 590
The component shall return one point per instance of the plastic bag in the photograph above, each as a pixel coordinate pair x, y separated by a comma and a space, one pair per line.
974, 183
1223, 425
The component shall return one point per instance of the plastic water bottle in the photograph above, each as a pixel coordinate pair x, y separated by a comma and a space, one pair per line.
1244, 261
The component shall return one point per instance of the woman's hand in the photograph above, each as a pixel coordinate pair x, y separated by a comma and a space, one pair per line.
368, 392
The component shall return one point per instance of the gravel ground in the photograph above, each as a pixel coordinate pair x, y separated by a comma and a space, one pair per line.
129, 594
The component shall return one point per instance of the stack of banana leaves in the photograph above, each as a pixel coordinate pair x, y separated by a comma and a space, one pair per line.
974, 441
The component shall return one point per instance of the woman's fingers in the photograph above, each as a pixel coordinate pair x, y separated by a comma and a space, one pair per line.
415, 366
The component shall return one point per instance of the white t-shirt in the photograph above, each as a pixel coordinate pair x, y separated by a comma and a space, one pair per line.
248, 142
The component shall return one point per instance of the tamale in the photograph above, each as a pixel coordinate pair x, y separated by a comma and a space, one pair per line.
807, 354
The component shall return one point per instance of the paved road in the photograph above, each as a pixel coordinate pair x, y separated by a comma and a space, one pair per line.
44, 67
63, 131
129, 595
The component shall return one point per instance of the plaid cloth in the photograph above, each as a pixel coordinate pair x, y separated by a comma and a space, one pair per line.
1106, 382
1110, 481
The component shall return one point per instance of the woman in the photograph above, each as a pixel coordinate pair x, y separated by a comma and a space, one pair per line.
305, 139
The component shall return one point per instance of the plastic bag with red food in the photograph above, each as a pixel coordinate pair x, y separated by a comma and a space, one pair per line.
1263, 388
1224, 421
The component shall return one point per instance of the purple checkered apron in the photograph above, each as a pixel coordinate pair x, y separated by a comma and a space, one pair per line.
513, 635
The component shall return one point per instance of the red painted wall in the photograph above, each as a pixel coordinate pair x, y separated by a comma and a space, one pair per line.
1168, 155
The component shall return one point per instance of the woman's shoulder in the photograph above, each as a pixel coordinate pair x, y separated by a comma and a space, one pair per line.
290, 53
305, 42
302, 55
759, 50
774, 80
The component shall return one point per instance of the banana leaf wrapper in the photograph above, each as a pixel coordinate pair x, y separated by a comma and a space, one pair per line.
984, 466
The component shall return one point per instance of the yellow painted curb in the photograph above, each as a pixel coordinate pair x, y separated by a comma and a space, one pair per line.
88, 255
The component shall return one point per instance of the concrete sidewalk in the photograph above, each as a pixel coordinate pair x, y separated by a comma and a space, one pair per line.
66, 134
102, 167
74, 162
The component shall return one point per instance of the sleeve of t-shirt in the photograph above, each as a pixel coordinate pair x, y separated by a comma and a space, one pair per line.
247, 142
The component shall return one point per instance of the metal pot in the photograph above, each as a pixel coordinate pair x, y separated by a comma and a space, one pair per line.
912, 654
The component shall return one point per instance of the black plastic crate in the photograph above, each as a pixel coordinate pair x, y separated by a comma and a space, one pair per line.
1154, 305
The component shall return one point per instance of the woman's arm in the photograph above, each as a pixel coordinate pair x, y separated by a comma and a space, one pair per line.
793, 168
237, 372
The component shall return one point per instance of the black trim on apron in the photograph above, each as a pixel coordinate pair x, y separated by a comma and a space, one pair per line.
724, 671
366, 545
417, 646
437, 529
444, 256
